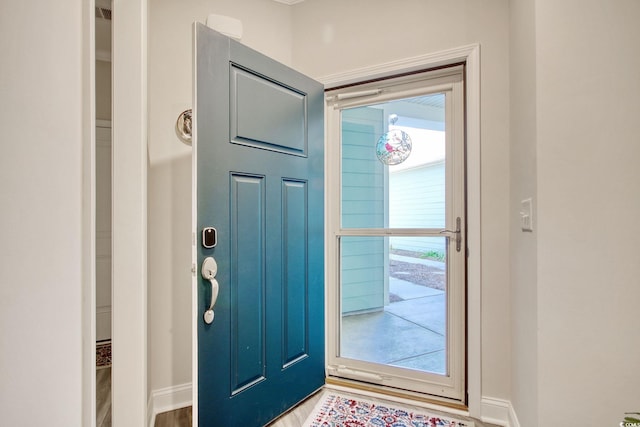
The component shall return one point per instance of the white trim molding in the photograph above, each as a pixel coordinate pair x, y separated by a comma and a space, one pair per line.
88, 261
499, 412
495, 411
168, 399
474, 236
415, 63
513, 418
129, 213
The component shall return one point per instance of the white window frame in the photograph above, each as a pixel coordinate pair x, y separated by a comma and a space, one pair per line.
469, 56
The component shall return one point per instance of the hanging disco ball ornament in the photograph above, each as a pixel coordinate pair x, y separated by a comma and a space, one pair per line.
394, 147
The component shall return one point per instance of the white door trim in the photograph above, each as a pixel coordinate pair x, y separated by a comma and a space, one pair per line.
470, 55
129, 226
129, 377
88, 286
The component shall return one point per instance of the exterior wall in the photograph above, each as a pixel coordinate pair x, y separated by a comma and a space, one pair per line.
363, 260
41, 257
333, 36
417, 199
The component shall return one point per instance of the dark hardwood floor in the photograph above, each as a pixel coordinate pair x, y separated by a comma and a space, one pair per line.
178, 418
103, 397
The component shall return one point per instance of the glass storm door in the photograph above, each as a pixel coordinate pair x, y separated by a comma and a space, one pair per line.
398, 229
259, 230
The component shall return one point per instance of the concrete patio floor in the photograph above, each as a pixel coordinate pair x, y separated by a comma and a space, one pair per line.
409, 333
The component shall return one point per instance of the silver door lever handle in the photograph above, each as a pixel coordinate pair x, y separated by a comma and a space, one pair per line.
209, 271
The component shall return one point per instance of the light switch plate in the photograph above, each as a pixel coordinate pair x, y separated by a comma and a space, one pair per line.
526, 215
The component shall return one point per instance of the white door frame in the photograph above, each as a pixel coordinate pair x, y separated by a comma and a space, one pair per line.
88, 284
470, 55
129, 245
129, 186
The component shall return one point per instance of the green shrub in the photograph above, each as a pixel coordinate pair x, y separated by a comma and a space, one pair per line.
434, 255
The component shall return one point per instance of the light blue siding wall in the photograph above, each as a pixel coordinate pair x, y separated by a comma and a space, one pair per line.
363, 259
417, 200
363, 176
364, 265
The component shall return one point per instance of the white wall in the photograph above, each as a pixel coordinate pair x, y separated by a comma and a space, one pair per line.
103, 90
333, 36
103, 179
103, 231
267, 28
575, 99
41, 116
588, 105
523, 253
103, 36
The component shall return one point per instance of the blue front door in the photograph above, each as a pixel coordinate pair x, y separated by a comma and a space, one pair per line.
258, 146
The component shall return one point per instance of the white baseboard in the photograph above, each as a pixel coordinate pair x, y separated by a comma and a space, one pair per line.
513, 418
499, 412
168, 399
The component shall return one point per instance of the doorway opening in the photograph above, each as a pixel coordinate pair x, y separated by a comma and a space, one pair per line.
103, 207
397, 287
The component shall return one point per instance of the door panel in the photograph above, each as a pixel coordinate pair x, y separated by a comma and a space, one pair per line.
399, 222
253, 125
295, 284
247, 281
259, 161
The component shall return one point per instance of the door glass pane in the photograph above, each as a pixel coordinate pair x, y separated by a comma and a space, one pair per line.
409, 194
393, 301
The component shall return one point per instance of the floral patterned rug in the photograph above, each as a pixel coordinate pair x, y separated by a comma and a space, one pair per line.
338, 411
103, 354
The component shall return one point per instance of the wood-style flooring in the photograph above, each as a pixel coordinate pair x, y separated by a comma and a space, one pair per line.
103, 397
179, 418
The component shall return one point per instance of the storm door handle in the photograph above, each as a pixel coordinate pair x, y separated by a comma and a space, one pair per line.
457, 233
